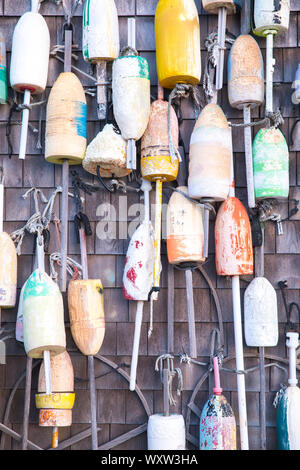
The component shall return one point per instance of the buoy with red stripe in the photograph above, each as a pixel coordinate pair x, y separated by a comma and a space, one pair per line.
217, 421
56, 407
100, 43
138, 274
210, 155
29, 62
221, 8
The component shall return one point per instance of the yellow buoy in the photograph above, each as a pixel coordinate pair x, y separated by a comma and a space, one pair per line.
177, 36
8, 271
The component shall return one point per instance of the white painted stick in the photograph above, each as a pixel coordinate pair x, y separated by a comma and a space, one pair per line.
101, 90
191, 313
35, 5
238, 338
24, 128
292, 342
131, 33
136, 344
248, 157
270, 62
47, 368
222, 16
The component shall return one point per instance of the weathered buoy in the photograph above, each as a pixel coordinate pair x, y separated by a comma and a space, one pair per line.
210, 155
177, 37
29, 63
245, 73
3, 72
270, 164
260, 314
43, 316
217, 421
156, 162
185, 235
131, 95
296, 85
233, 240
108, 152
8, 271
221, 8
66, 121
100, 43
270, 15
288, 412
166, 432
86, 311
56, 407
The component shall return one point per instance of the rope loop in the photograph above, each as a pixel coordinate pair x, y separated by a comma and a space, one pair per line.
172, 372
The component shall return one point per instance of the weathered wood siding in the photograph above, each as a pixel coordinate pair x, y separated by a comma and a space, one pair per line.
118, 409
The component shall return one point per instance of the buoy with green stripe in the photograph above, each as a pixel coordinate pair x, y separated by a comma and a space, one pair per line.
270, 164
100, 43
288, 413
3, 72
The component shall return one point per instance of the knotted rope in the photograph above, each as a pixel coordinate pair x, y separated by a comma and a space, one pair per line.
172, 372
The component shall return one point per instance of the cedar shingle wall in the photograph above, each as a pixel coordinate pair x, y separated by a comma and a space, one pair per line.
118, 409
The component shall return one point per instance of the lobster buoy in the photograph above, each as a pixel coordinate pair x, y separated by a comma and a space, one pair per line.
56, 408
3, 72
210, 155
43, 316
177, 37
100, 43
8, 271
296, 94
185, 234
270, 15
66, 121
108, 152
270, 164
166, 432
213, 6
288, 412
138, 270
30, 54
86, 311
260, 314
245, 73
156, 162
217, 421
131, 95
234, 252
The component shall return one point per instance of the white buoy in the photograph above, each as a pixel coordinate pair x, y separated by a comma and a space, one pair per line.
166, 432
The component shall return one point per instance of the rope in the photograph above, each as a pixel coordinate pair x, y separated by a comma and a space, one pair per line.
73, 268
172, 372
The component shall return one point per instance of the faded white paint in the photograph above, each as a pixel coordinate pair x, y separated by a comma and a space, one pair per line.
166, 432
268, 18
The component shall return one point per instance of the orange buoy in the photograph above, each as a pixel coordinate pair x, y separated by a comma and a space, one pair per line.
86, 310
234, 252
210, 155
185, 234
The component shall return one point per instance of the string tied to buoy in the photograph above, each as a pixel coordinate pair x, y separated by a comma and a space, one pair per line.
172, 373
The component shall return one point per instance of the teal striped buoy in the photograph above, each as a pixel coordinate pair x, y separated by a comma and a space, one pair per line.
270, 164
3, 72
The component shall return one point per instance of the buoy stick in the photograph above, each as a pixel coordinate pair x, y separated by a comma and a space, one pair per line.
292, 342
136, 344
217, 388
270, 62
191, 313
35, 5
24, 128
246, 17
55, 437
222, 16
157, 241
248, 156
101, 89
131, 145
27, 403
166, 392
47, 372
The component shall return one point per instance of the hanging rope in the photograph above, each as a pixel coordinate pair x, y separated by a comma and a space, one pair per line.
73, 268
172, 373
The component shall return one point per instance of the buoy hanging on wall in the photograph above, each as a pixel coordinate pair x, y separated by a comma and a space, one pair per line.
288, 412
108, 152
210, 155
234, 252
217, 421
185, 234
221, 8
86, 310
270, 164
166, 432
177, 37
3, 72
100, 43
56, 408
29, 63
66, 121
260, 314
43, 316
